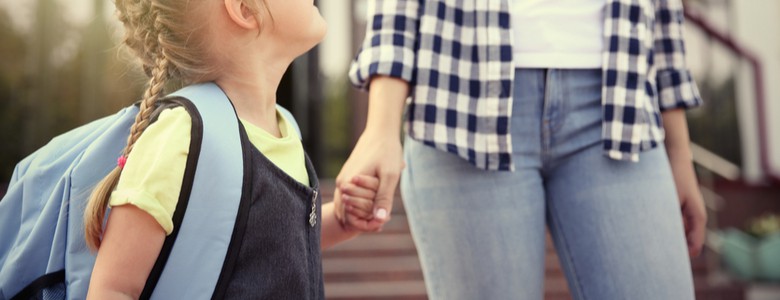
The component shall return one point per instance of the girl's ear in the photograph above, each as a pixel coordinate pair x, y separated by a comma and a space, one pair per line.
241, 14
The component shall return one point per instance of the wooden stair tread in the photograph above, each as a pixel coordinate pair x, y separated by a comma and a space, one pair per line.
376, 289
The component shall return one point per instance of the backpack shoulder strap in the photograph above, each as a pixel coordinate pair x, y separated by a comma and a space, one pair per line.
289, 117
193, 256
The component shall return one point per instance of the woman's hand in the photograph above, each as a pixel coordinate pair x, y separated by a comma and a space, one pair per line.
374, 155
378, 152
691, 202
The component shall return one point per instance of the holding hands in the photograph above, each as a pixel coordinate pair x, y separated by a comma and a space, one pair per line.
360, 194
355, 202
378, 155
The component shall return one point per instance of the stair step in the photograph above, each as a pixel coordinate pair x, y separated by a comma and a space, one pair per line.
375, 242
371, 265
411, 289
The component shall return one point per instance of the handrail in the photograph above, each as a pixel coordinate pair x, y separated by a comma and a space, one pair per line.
730, 43
715, 163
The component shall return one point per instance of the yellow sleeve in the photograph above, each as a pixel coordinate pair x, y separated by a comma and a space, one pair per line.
152, 177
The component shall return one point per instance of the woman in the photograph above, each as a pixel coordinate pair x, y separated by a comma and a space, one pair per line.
526, 114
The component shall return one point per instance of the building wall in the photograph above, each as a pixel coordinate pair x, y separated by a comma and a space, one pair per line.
757, 23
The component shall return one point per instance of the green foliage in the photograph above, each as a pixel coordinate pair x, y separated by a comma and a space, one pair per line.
9, 116
336, 119
54, 77
11, 46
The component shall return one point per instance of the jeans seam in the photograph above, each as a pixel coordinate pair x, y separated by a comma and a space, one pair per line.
567, 253
545, 122
411, 208
422, 238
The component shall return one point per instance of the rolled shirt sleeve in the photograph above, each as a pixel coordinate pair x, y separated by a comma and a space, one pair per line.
676, 88
389, 45
152, 177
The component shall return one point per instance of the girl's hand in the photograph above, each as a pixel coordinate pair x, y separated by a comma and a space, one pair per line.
358, 198
380, 159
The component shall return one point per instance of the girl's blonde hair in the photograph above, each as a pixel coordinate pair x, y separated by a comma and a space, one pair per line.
163, 36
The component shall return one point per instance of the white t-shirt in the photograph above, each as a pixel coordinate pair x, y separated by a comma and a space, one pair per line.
558, 33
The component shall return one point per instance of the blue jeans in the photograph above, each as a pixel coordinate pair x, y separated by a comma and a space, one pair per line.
616, 225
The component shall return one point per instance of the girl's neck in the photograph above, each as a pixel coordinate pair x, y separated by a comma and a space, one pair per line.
251, 85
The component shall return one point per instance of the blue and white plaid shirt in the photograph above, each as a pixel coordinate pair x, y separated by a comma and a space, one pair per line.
457, 57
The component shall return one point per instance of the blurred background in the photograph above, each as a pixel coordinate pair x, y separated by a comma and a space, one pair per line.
61, 68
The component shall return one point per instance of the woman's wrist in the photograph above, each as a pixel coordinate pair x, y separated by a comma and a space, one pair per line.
386, 133
387, 97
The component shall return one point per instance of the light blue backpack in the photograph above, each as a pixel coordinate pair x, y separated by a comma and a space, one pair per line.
43, 254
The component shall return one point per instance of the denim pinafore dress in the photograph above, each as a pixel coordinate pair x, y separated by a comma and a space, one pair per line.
251, 231
278, 242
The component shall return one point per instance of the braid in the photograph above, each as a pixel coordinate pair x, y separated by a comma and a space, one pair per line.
169, 47
159, 71
151, 95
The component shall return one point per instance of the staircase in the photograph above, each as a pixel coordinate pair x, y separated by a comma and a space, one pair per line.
384, 265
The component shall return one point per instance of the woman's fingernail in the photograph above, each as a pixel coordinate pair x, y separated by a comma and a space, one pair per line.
345, 197
381, 214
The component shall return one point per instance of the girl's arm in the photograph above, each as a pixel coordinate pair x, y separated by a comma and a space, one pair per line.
130, 246
332, 230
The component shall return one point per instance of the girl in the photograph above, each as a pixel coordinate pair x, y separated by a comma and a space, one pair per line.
244, 46
533, 114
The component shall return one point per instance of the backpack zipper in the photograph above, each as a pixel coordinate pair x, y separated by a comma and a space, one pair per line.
313, 214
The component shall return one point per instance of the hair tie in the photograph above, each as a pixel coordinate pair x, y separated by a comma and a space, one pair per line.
121, 161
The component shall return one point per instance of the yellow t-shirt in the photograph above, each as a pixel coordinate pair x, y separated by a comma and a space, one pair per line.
152, 176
